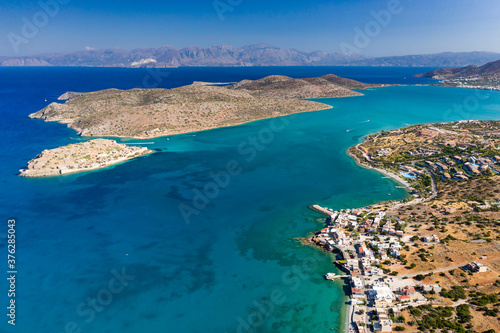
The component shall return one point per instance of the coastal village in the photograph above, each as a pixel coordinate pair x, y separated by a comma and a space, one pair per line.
473, 82
374, 238
485, 77
435, 254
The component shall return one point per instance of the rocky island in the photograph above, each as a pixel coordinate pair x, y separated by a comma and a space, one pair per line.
147, 113
83, 156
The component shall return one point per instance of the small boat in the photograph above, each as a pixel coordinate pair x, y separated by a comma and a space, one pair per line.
330, 276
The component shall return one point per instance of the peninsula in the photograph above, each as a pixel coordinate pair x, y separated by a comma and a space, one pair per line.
430, 262
83, 156
473, 77
148, 113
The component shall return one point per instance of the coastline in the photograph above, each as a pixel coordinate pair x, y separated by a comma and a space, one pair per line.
319, 241
347, 314
114, 163
151, 172
81, 157
395, 177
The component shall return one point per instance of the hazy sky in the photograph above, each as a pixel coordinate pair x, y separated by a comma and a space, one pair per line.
416, 26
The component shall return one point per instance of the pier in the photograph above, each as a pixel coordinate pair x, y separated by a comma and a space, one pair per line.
321, 210
338, 277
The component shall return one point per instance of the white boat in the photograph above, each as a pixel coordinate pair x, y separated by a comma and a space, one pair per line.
330, 276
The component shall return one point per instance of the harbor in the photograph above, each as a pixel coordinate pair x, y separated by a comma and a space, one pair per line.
319, 209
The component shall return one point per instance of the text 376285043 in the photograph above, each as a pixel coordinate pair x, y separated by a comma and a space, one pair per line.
11, 271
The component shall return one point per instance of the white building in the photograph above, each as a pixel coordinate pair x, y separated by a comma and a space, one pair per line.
381, 292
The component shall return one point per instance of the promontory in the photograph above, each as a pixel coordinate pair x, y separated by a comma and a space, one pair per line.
147, 113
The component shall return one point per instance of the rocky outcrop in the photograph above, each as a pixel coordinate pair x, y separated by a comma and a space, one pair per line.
69, 95
84, 156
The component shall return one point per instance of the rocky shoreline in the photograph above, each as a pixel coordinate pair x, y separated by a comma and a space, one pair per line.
150, 113
80, 157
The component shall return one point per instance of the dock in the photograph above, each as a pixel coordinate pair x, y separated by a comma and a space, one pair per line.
338, 277
321, 210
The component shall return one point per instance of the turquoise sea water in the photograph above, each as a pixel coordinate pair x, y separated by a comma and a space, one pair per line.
230, 263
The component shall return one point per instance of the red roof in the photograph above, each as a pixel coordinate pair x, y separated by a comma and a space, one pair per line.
404, 297
357, 290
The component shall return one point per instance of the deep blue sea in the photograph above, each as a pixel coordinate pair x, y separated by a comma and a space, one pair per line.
200, 236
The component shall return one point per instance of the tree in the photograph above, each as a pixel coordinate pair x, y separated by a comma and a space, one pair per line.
416, 312
463, 313
419, 277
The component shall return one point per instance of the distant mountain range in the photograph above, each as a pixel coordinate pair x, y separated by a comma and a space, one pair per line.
252, 55
490, 70
445, 59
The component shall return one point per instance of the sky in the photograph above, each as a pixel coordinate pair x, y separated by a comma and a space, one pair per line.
369, 27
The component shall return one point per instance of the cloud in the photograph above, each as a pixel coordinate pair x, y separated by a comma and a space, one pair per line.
88, 48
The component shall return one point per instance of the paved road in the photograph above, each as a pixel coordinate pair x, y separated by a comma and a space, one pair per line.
444, 269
